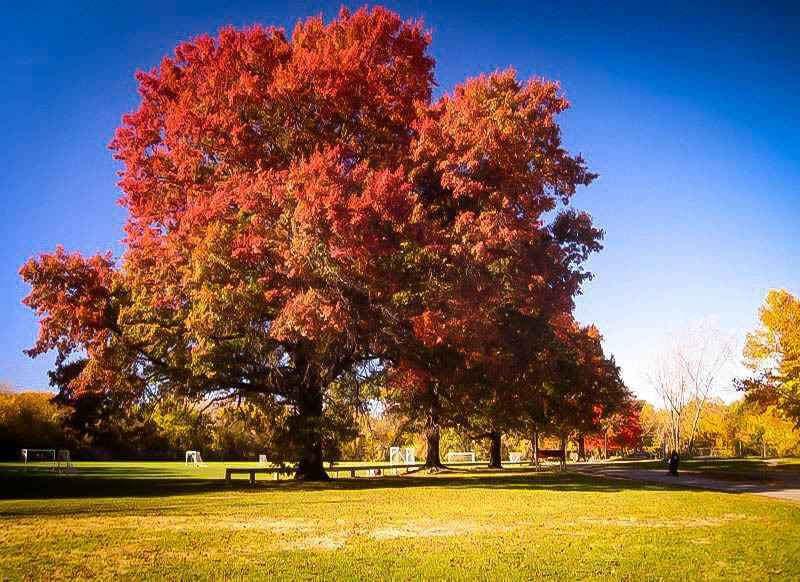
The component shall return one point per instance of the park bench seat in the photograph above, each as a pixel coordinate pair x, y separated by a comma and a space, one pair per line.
335, 469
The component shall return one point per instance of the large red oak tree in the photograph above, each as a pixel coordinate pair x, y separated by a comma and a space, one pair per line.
298, 207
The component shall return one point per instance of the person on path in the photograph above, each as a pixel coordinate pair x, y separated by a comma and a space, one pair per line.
673, 462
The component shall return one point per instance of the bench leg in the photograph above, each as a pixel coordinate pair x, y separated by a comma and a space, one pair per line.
252, 478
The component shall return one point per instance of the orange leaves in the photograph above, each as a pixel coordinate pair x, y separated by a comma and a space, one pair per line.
309, 315
295, 145
301, 193
410, 379
73, 297
429, 328
489, 162
370, 61
197, 119
356, 212
70, 294
497, 135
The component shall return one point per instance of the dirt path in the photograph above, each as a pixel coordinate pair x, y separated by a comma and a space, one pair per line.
775, 489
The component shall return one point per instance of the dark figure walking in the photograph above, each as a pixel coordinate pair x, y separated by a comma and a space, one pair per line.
672, 462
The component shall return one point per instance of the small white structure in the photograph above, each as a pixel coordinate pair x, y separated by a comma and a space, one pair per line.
402, 455
461, 457
262, 459
514, 457
194, 458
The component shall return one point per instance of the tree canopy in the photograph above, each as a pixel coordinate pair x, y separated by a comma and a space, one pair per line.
300, 208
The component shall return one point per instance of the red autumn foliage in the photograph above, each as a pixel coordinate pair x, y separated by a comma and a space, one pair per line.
620, 431
298, 206
70, 294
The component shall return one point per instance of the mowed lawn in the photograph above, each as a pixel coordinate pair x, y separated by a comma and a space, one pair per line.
163, 520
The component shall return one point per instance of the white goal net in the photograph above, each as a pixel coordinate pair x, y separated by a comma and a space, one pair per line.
53, 459
402, 455
39, 457
194, 459
514, 457
262, 460
460, 457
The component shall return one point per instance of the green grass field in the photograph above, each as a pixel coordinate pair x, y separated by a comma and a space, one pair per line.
163, 520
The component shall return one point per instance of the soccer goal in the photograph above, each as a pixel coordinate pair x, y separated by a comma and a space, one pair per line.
53, 459
514, 457
402, 455
194, 458
262, 460
39, 458
460, 457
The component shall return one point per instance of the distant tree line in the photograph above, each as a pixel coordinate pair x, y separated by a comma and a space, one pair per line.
97, 425
95, 428
242, 431
741, 428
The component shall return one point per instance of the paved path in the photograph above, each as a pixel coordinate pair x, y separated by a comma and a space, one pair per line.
775, 489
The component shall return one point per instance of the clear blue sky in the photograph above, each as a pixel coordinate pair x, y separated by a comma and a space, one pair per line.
689, 112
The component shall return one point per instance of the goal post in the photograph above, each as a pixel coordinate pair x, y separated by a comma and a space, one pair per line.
402, 455
34, 457
194, 458
460, 457
53, 459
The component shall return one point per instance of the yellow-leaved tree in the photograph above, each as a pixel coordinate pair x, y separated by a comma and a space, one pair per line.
772, 353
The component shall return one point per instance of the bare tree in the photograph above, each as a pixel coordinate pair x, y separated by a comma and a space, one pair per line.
704, 354
670, 382
690, 372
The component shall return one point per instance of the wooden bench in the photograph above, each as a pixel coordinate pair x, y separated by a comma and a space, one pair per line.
334, 469
483, 463
277, 471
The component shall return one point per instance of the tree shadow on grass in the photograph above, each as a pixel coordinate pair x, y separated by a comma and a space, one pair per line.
729, 469
697, 479
150, 482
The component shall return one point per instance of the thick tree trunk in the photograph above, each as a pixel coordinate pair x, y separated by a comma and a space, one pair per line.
581, 448
495, 450
432, 435
310, 467
563, 453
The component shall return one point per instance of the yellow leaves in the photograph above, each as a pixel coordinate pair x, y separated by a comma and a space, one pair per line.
774, 349
772, 430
